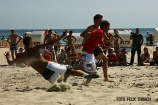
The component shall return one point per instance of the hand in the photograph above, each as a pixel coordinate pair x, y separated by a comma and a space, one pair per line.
107, 80
7, 55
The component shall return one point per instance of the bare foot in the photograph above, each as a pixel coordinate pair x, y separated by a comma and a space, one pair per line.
107, 80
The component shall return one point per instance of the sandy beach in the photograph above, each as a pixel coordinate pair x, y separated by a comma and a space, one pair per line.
134, 85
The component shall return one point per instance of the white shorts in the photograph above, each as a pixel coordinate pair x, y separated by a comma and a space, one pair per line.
58, 69
89, 62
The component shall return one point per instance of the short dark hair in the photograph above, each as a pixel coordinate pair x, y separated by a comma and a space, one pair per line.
50, 30
97, 16
70, 32
104, 23
137, 28
26, 40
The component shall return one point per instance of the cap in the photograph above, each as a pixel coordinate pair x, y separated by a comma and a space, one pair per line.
47, 31
12, 29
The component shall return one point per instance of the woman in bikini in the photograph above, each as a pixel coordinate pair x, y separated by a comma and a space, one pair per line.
107, 42
116, 42
145, 58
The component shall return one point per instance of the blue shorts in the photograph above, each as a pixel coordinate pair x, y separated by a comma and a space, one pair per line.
13, 47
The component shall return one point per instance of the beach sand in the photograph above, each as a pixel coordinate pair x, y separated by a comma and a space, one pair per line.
24, 86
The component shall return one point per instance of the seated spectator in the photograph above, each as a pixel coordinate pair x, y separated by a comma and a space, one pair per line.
112, 58
62, 57
122, 58
20, 63
79, 59
73, 57
155, 58
47, 55
145, 58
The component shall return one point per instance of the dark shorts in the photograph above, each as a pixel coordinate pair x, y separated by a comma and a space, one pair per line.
97, 51
13, 47
56, 48
47, 73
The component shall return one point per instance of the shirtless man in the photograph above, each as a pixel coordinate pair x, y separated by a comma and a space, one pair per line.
97, 20
51, 71
49, 36
13, 41
70, 39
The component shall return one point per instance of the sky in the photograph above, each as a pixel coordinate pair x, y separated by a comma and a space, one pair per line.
77, 14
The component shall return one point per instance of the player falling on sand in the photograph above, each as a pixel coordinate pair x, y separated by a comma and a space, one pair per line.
51, 71
13, 41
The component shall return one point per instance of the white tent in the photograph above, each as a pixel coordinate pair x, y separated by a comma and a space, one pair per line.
155, 34
38, 36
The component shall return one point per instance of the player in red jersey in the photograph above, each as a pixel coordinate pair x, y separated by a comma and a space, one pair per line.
92, 50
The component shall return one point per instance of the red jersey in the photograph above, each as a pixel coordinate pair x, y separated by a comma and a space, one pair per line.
48, 57
112, 58
73, 55
93, 41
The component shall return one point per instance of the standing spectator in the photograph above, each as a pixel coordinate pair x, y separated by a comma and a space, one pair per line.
136, 45
151, 38
107, 42
112, 58
49, 36
122, 59
13, 41
116, 42
70, 39
147, 38
56, 47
